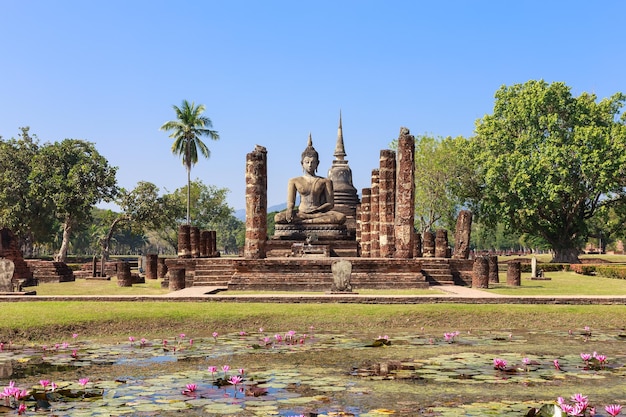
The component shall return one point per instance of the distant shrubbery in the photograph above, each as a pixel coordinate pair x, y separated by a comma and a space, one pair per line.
613, 271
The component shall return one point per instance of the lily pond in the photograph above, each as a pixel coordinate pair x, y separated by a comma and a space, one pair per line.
311, 373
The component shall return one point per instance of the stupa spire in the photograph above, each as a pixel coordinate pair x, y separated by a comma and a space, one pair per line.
340, 151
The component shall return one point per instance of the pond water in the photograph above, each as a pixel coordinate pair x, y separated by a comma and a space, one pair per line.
467, 373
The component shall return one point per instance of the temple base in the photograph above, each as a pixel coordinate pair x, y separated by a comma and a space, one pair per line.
311, 232
299, 248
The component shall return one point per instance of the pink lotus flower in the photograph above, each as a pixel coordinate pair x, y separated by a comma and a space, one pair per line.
241, 371
131, 339
75, 335
235, 379
190, 342
53, 386
182, 335
242, 333
21, 409
44, 383
74, 353
261, 329
585, 357
213, 370
83, 381
143, 341
613, 409
567, 408
192, 387
215, 334
601, 359
65, 345
526, 361
499, 364
557, 366
225, 368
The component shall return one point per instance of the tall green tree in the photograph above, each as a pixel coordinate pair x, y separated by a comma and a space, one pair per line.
71, 176
443, 172
549, 161
440, 171
142, 208
208, 206
22, 210
188, 128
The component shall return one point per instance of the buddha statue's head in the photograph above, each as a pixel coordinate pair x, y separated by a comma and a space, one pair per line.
310, 158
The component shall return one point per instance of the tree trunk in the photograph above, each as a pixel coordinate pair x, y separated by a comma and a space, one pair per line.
65, 243
565, 256
106, 245
188, 165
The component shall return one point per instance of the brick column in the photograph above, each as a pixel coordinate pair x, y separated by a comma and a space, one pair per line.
213, 241
428, 245
184, 241
374, 216
480, 273
256, 203
204, 240
462, 235
441, 243
366, 237
417, 253
405, 196
152, 260
387, 202
194, 239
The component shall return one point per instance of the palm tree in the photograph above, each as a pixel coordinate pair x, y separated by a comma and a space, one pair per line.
187, 129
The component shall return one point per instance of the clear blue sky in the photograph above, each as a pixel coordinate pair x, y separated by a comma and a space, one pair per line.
270, 72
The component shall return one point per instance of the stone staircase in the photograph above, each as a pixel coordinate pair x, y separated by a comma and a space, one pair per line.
50, 271
437, 272
310, 274
213, 272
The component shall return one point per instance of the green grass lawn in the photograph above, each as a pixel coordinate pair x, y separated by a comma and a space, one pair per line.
562, 283
98, 287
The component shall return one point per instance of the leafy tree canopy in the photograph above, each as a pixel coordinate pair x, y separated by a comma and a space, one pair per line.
71, 176
549, 161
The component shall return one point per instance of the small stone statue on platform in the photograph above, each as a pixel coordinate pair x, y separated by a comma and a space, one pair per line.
316, 195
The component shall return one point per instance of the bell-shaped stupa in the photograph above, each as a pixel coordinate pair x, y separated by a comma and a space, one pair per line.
346, 198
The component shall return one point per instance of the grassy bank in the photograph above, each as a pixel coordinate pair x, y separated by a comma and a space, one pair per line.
58, 320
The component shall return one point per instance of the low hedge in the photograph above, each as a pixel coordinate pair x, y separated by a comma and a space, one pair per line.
545, 267
618, 272
613, 271
584, 269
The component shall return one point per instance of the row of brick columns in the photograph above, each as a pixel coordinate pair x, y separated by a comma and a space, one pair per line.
387, 209
485, 271
196, 243
386, 214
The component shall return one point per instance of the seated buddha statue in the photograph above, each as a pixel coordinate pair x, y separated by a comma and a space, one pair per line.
316, 195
